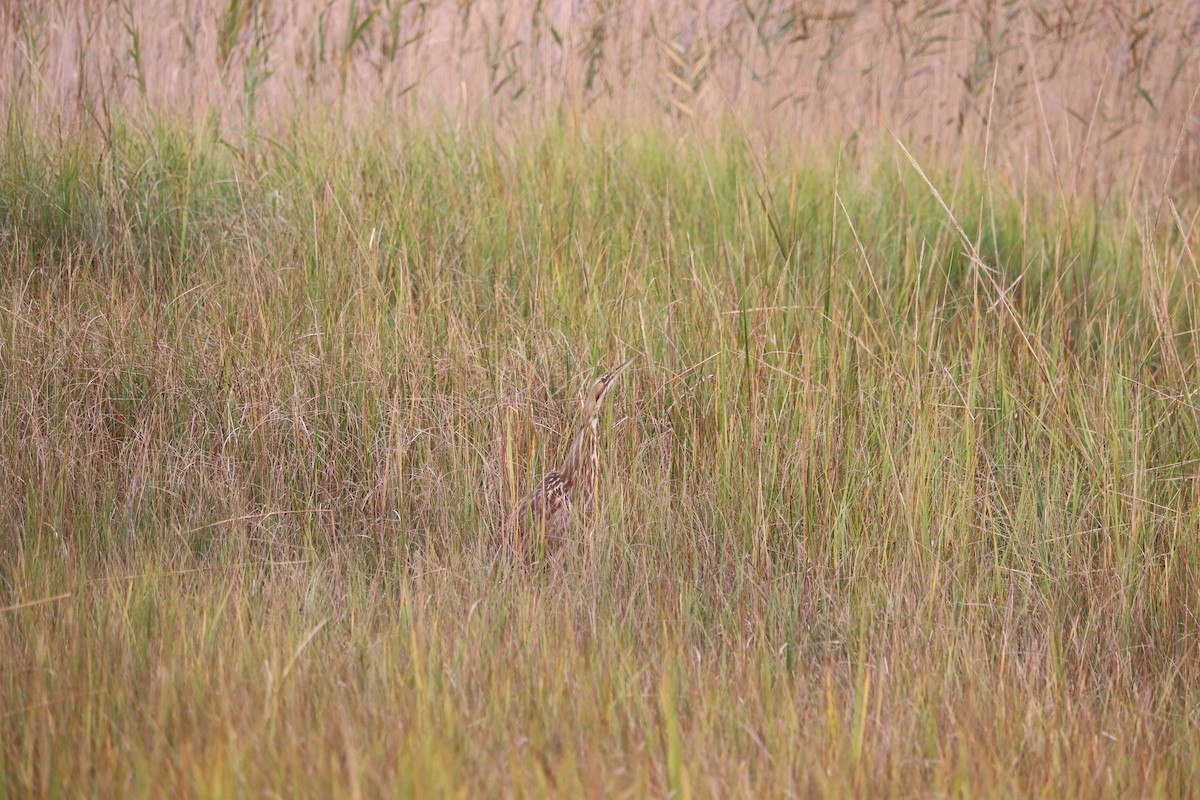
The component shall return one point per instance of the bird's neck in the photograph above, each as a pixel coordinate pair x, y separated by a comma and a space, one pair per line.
583, 456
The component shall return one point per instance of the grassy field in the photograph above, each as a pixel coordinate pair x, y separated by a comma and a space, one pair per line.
902, 496
901, 493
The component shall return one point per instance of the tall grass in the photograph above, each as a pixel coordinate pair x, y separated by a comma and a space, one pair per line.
1098, 92
900, 499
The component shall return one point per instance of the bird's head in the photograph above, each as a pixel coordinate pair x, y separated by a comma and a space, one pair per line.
600, 389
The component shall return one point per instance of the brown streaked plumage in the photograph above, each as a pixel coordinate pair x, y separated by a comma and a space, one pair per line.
573, 486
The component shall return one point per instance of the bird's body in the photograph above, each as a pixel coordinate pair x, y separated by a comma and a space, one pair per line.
549, 507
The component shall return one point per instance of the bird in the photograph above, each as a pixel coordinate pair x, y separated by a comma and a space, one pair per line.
553, 499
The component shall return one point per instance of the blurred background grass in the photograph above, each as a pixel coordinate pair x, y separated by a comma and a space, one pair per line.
1089, 91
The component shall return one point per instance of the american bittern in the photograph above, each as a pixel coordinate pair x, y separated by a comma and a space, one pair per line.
574, 485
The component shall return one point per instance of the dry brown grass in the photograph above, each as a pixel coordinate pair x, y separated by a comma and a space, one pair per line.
1090, 91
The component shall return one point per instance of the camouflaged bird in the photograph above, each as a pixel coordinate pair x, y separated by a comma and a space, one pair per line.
573, 486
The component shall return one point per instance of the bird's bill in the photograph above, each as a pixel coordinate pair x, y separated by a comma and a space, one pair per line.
611, 378
612, 375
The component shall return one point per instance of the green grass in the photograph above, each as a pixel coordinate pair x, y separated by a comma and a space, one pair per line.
888, 512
